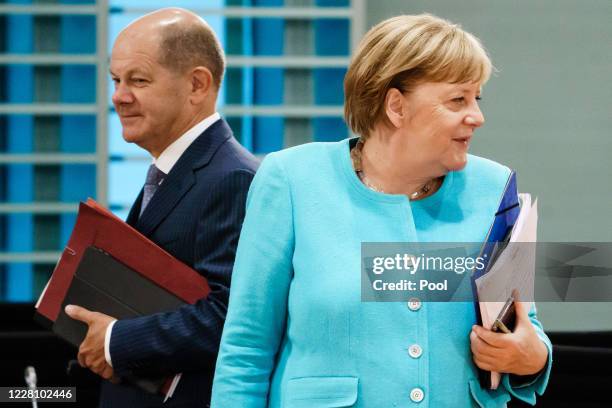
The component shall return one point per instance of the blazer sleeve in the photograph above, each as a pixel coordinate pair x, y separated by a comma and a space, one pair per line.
526, 390
188, 338
257, 312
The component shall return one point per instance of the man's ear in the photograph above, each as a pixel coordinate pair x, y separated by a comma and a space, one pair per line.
202, 84
394, 107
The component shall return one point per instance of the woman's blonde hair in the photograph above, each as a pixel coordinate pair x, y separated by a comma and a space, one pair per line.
402, 52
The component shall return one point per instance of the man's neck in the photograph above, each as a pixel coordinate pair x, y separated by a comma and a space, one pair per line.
157, 150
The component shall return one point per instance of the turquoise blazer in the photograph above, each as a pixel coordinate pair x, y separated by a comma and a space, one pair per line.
297, 334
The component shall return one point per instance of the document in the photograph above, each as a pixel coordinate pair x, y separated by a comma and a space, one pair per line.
513, 268
102, 251
98, 227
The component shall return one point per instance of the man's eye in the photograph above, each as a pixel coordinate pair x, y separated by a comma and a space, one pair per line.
139, 80
479, 98
461, 99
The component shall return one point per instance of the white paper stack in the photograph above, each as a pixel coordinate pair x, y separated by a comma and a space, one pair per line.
513, 269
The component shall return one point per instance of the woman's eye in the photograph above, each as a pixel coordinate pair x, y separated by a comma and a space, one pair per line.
461, 99
139, 81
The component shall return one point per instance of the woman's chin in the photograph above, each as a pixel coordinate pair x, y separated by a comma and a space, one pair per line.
458, 163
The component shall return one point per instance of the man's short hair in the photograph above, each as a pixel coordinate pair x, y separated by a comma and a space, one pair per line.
189, 46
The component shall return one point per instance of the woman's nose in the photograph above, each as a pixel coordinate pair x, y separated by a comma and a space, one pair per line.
475, 117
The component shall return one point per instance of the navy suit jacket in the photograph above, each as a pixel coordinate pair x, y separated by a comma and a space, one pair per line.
196, 215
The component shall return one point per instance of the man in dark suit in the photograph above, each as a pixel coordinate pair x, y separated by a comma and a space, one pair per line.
167, 68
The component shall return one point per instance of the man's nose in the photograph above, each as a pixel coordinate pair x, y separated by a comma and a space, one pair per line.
122, 95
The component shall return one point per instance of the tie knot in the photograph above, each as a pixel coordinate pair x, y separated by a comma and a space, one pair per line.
154, 176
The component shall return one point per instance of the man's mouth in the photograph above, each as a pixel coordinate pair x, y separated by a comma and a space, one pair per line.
123, 117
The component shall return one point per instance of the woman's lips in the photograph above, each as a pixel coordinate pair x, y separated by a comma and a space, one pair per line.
465, 141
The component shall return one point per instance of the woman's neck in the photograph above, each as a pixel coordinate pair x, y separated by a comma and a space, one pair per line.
386, 168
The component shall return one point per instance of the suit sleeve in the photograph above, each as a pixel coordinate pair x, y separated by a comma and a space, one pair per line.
257, 312
188, 338
526, 390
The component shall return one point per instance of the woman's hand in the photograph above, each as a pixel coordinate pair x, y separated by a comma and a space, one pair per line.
520, 352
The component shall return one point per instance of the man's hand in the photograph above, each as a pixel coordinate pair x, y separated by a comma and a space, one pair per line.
91, 351
521, 352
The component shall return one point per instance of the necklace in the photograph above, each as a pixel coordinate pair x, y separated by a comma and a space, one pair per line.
356, 156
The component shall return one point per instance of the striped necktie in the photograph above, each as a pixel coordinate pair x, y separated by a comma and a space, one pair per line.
154, 179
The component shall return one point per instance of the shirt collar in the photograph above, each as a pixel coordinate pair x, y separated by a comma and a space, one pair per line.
168, 158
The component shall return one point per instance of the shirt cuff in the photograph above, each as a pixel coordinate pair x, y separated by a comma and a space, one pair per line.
107, 338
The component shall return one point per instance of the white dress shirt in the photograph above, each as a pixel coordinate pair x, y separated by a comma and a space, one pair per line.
166, 160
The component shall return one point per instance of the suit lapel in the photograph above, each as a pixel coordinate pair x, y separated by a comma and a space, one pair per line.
182, 177
132, 218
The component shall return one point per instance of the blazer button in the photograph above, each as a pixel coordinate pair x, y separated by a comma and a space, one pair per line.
417, 395
415, 351
414, 304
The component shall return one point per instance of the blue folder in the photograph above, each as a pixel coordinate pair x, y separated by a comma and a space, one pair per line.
499, 232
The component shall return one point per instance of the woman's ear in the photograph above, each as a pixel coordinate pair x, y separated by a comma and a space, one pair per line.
201, 84
394, 107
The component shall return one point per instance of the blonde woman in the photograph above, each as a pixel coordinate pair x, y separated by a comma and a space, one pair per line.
297, 333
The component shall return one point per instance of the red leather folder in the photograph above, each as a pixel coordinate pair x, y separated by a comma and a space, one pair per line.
98, 227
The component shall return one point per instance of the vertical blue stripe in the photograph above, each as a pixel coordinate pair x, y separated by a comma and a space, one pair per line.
19, 140
328, 82
77, 133
248, 79
268, 83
